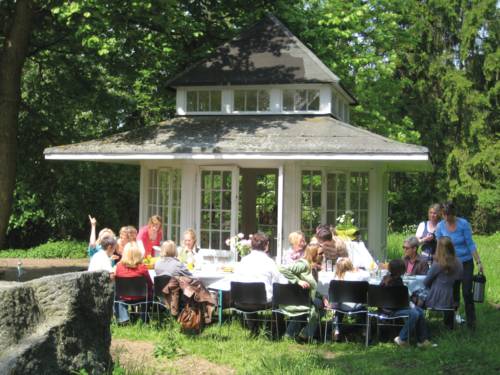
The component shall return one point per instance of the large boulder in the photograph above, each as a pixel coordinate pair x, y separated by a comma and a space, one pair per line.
56, 324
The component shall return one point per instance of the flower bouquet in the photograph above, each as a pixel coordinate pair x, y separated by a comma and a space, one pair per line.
345, 227
149, 262
239, 243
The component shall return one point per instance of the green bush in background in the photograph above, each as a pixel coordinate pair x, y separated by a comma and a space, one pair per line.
51, 249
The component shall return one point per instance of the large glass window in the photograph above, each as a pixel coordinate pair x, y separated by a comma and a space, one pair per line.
251, 100
216, 205
310, 201
326, 195
300, 100
164, 199
204, 101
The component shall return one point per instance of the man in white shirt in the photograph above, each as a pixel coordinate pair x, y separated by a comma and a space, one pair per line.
101, 261
258, 266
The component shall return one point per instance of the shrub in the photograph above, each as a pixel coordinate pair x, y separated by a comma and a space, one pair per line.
55, 249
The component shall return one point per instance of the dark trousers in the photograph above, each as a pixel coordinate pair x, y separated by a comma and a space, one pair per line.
470, 312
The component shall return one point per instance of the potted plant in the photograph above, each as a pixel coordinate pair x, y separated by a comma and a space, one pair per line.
345, 227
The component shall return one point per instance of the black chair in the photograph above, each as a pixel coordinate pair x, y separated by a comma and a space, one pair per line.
159, 284
290, 295
341, 292
449, 312
387, 299
133, 287
250, 300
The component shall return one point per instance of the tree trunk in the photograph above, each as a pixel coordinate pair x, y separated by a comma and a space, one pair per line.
12, 59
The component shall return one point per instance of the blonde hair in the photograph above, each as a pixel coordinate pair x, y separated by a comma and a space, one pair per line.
295, 237
311, 253
342, 266
132, 255
191, 232
155, 219
104, 232
131, 229
168, 249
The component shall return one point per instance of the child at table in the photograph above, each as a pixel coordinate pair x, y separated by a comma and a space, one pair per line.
416, 319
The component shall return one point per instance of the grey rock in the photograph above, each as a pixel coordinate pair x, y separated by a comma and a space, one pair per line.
56, 324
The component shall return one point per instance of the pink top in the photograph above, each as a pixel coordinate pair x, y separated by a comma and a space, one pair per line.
143, 236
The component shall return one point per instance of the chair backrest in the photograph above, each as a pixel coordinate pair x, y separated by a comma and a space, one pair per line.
248, 293
159, 284
342, 291
290, 294
131, 286
389, 297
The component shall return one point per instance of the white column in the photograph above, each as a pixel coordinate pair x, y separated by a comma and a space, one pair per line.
291, 200
377, 211
143, 195
189, 218
275, 100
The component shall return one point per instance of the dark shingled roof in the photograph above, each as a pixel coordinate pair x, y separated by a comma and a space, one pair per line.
280, 134
267, 53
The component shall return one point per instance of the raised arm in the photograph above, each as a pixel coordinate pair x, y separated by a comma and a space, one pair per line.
93, 223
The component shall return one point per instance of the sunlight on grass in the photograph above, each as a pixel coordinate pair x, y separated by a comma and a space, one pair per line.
458, 352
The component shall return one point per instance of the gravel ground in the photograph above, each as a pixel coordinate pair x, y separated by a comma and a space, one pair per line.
35, 268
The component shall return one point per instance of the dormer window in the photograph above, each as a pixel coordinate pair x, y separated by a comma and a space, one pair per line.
204, 100
251, 101
300, 100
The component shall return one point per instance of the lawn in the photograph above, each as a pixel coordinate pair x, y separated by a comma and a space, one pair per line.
229, 346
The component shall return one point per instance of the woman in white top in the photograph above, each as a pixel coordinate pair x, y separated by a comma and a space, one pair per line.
426, 231
344, 270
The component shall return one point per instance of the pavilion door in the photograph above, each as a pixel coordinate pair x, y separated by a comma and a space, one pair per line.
217, 206
260, 204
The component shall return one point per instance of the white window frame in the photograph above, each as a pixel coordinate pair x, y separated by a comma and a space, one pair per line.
295, 92
246, 90
209, 90
234, 199
170, 227
324, 195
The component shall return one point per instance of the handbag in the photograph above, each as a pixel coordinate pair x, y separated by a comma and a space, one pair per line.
190, 317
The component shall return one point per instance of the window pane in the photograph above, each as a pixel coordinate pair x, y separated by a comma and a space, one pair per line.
205, 180
313, 100
341, 202
215, 240
301, 100
226, 200
288, 100
217, 180
316, 199
205, 219
239, 100
216, 200
204, 240
226, 220
203, 101
191, 101
215, 101
251, 100
226, 180
264, 102
225, 236
364, 201
330, 181
215, 220
330, 201
205, 200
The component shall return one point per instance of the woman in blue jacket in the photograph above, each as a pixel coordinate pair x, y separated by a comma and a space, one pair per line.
460, 233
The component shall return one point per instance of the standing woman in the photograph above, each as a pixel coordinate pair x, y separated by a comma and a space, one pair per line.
426, 231
460, 233
150, 235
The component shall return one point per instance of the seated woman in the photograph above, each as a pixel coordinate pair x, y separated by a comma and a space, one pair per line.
415, 264
182, 281
131, 266
168, 264
189, 251
297, 248
441, 278
304, 272
345, 270
416, 319
95, 245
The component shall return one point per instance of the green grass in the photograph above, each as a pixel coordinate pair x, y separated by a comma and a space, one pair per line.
458, 352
